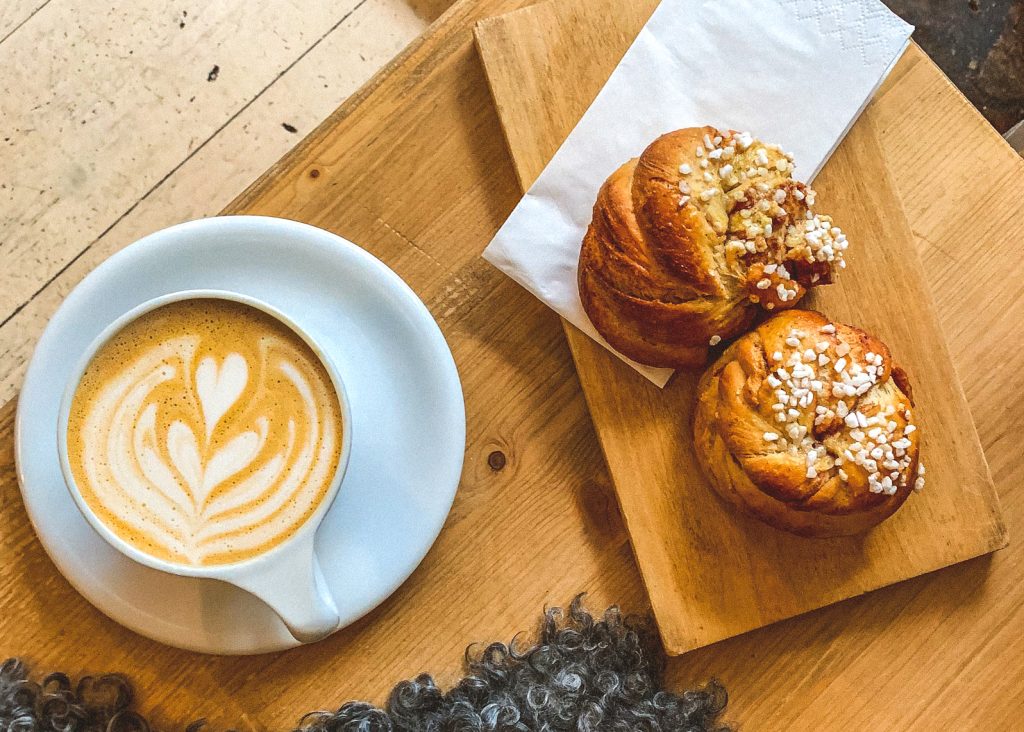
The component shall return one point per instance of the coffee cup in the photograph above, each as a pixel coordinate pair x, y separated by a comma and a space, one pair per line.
172, 493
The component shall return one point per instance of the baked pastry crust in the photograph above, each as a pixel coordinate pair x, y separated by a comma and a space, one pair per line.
691, 241
809, 426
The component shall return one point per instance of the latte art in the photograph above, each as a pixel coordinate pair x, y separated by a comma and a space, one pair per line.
205, 432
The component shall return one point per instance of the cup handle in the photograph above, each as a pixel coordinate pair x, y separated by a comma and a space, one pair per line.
292, 584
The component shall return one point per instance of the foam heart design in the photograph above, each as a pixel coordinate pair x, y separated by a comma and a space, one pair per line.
267, 454
235, 456
183, 449
218, 388
201, 476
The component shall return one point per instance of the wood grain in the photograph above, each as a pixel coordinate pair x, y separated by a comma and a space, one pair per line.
371, 187
15, 13
202, 144
105, 137
542, 83
935, 652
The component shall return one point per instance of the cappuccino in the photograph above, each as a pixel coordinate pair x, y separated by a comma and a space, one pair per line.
205, 432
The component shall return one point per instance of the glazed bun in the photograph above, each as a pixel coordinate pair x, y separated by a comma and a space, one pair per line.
694, 239
809, 426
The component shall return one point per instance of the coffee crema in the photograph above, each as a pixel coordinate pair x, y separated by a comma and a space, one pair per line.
205, 432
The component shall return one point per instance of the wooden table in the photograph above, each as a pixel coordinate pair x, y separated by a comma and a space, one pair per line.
415, 169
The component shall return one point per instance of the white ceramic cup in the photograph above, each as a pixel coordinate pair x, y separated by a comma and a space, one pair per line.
286, 577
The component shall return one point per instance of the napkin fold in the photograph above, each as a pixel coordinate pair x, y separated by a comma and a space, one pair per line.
793, 72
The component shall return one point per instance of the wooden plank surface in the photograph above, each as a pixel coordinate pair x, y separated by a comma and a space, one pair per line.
542, 83
415, 169
184, 147
15, 13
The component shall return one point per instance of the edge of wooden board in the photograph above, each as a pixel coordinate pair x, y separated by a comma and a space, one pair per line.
585, 352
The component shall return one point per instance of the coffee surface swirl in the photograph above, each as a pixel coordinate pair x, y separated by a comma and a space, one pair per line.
205, 432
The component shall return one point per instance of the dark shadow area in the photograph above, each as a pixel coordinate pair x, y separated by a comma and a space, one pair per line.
979, 44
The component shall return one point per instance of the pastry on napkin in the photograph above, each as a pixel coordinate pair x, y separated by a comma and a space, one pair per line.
695, 239
795, 72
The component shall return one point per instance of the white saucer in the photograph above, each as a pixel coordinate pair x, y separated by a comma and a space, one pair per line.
408, 427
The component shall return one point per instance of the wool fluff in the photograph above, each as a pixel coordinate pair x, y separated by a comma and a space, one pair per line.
583, 674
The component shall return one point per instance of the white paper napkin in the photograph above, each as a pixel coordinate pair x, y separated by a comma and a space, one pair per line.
792, 72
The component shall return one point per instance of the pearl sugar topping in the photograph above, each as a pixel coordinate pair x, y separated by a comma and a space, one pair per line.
731, 165
817, 367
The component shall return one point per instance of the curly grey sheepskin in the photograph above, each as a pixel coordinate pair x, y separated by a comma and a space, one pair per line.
583, 674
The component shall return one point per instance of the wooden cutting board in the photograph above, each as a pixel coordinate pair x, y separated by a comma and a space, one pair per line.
416, 170
710, 572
